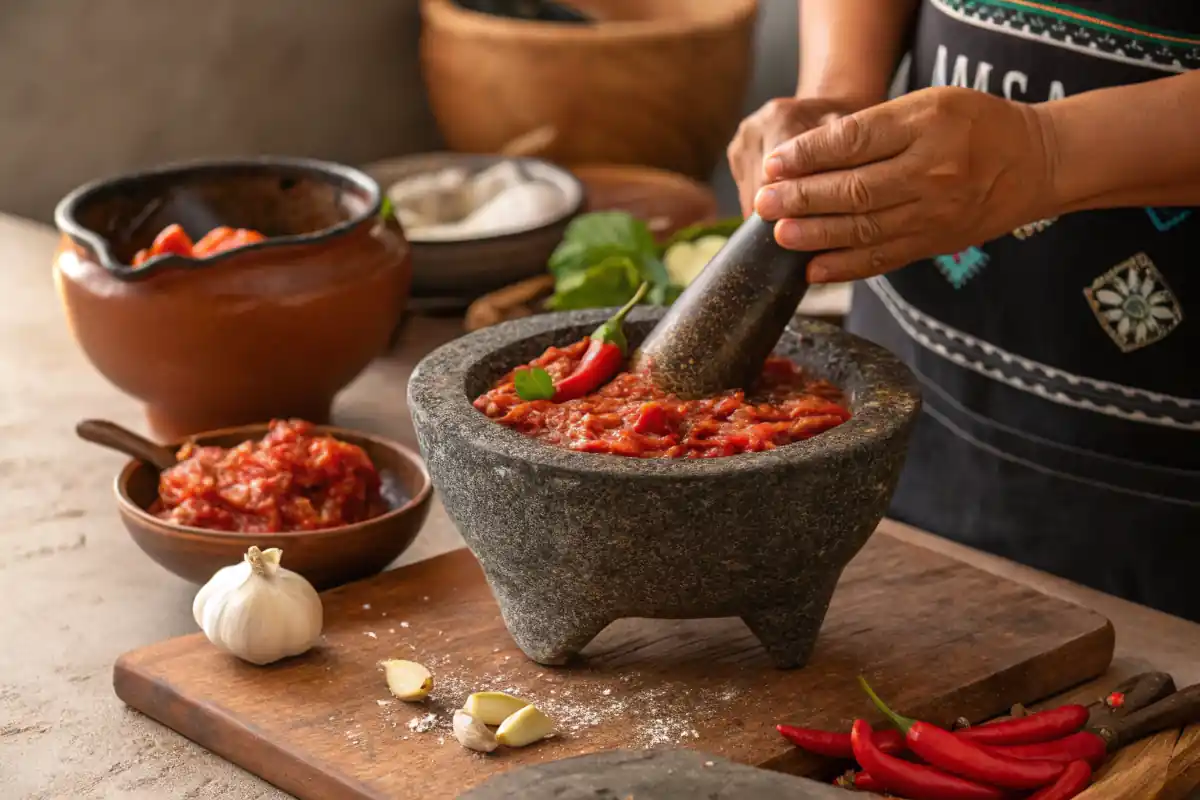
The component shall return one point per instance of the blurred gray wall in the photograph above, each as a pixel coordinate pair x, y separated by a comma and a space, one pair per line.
775, 68
89, 88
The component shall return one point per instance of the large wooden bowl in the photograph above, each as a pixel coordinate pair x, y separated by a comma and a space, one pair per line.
326, 558
655, 82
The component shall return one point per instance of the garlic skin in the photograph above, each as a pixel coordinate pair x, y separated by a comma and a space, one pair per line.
473, 734
259, 611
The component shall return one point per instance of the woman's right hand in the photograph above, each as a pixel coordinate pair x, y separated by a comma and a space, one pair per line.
772, 125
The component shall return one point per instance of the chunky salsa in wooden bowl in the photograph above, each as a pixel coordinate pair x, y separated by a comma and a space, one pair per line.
628, 416
294, 479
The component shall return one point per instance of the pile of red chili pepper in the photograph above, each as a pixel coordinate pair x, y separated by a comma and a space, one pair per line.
1042, 756
173, 240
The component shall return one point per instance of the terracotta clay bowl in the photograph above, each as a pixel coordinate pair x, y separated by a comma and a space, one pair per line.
571, 542
468, 268
271, 330
660, 83
327, 558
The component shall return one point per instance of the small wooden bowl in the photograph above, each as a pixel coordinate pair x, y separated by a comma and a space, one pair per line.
468, 268
667, 201
654, 82
326, 558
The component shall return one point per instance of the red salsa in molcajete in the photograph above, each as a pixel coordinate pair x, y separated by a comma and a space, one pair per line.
628, 416
294, 479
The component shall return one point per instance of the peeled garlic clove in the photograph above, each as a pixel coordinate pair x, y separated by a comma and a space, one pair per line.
524, 727
407, 680
473, 734
492, 708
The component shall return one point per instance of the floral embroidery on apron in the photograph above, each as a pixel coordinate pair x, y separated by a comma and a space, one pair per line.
1133, 304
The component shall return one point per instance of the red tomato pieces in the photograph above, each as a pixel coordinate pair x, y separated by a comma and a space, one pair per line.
630, 417
173, 240
294, 479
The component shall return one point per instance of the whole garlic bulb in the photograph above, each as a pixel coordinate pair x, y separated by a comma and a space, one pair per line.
259, 611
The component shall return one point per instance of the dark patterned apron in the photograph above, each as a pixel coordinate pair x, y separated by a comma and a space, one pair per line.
1060, 364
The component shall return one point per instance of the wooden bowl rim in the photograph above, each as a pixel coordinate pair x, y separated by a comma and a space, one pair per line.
127, 507
736, 14
640, 175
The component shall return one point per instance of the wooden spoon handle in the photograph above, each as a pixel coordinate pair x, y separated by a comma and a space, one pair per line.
1176, 710
115, 437
1140, 691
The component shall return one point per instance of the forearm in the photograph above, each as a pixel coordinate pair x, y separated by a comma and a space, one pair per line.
1136, 145
849, 48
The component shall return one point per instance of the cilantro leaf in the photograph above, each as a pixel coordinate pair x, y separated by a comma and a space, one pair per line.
591, 238
609, 283
533, 383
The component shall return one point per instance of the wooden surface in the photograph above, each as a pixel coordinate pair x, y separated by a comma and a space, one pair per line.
79, 593
315, 726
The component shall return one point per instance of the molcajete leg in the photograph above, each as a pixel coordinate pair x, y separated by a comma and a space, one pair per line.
789, 630
552, 633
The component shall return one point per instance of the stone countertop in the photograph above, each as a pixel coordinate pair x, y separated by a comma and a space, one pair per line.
83, 593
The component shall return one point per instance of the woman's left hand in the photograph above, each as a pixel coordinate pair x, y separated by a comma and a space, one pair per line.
929, 173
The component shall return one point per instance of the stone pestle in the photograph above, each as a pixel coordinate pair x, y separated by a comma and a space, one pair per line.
719, 332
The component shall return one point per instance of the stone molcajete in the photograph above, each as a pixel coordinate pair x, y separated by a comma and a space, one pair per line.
571, 542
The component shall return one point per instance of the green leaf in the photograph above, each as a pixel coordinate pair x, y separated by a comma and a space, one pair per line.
663, 294
533, 383
386, 209
653, 270
592, 238
723, 227
609, 283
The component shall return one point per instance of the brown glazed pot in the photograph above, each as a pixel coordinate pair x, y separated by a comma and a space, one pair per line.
326, 558
275, 329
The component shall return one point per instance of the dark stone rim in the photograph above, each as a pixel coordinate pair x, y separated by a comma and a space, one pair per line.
328, 171
884, 403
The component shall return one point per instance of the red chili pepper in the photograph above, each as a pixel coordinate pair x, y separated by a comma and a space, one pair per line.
860, 781
1115, 700
1074, 780
1082, 746
603, 358
913, 780
1044, 726
837, 745
865, 783
941, 748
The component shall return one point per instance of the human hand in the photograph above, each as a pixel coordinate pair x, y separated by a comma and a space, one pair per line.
772, 125
930, 173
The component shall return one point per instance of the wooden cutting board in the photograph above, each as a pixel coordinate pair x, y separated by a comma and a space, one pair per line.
937, 637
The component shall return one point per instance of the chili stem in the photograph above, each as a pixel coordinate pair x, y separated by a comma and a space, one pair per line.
903, 723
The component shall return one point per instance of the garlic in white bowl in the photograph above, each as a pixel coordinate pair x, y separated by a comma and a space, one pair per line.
259, 611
